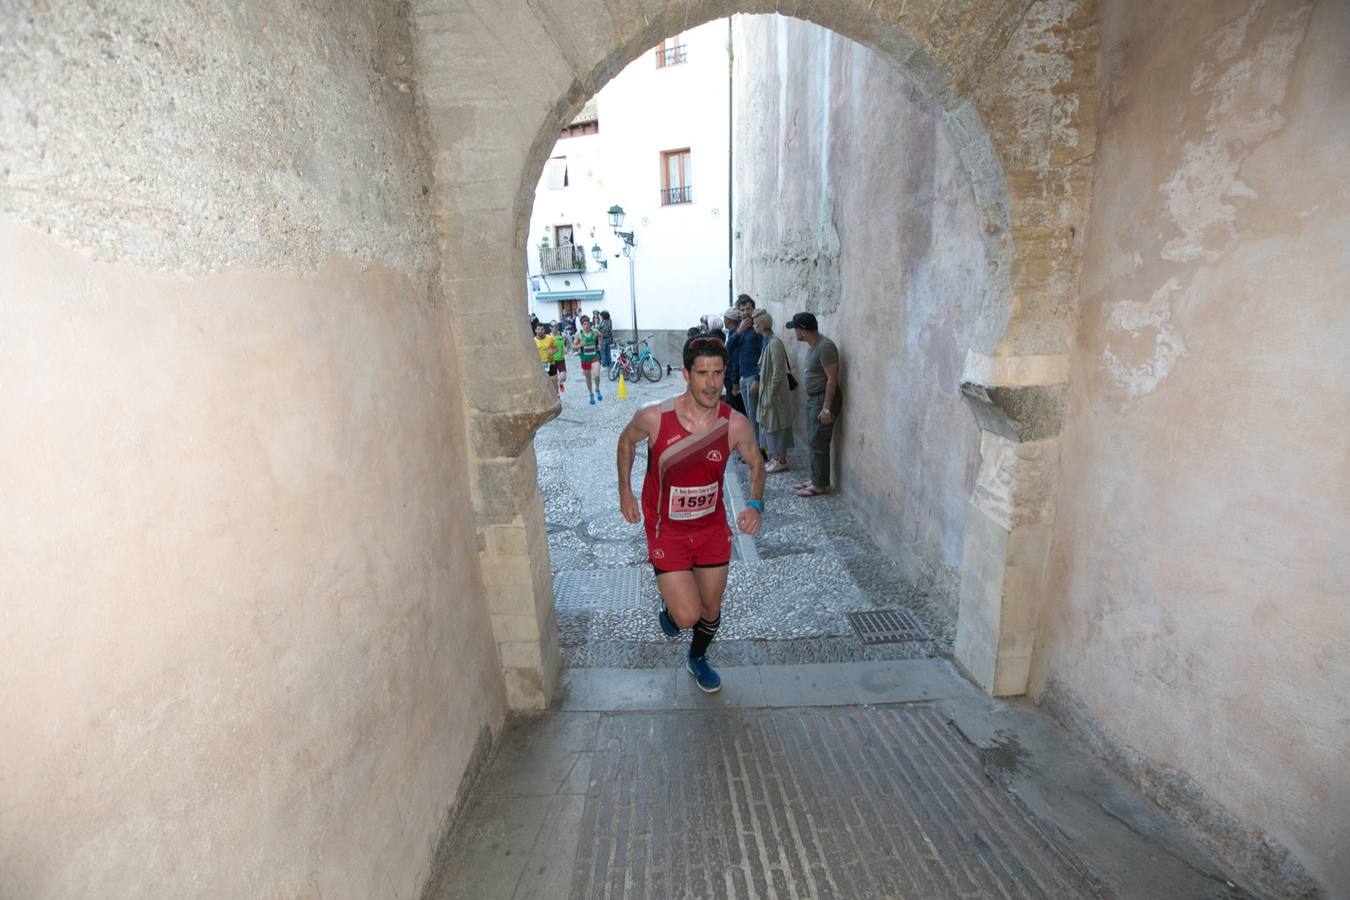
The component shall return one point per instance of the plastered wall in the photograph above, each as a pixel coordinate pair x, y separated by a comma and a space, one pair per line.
1197, 620
244, 650
853, 203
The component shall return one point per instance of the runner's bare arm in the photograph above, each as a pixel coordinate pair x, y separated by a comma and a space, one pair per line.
742, 437
640, 428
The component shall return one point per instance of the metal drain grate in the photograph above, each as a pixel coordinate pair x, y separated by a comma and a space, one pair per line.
598, 589
886, 626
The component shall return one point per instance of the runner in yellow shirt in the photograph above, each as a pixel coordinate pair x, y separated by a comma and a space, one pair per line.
548, 349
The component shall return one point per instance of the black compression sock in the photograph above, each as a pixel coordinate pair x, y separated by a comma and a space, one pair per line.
704, 632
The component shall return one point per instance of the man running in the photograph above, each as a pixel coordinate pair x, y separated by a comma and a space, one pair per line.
588, 348
560, 358
547, 347
689, 440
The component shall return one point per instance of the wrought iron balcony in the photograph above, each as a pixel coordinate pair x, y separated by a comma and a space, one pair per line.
562, 259
671, 196
671, 56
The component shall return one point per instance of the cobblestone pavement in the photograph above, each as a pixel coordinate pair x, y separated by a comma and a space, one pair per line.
815, 564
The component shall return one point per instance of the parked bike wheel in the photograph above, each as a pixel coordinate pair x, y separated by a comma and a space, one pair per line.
614, 369
652, 369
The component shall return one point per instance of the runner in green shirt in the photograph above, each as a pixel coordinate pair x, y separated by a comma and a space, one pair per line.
559, 356
588, 345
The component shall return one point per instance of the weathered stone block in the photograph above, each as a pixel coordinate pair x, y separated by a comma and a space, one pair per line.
507, 628
507, 541
525, 688
512, 599
522, 654
506, 435
975, 649
499, 575
1019, 610
1011, 676
499, 484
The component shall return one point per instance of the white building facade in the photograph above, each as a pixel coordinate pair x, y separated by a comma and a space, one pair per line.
656, 142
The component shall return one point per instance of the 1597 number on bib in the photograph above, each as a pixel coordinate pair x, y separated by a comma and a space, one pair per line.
692, 502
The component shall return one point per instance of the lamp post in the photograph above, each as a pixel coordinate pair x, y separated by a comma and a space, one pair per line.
616, 222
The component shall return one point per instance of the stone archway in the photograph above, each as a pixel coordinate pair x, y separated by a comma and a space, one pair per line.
1017, 83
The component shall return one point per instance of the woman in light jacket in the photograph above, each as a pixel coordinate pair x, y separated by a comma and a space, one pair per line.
773, 403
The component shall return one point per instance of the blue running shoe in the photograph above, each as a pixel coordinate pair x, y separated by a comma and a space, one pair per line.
709, 682
599, 396
667, 624
592, 400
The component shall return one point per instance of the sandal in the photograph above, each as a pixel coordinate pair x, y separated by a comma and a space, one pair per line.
811, 491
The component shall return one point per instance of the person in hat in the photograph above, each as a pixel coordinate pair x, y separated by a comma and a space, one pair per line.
732, 320
824, 399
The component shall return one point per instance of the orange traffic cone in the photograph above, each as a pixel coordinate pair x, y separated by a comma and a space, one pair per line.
623, 388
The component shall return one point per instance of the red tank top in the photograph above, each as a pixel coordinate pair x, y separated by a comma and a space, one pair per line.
683, 486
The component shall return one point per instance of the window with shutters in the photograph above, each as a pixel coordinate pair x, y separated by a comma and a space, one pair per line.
677, 182
555, 173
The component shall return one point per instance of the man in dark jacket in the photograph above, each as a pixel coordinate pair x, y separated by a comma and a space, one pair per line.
732, 318
749, 345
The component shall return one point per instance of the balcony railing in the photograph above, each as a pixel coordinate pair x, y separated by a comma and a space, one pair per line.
562, 259
671, 196
671, 56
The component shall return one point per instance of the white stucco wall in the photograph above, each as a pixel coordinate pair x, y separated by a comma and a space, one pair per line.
681, 261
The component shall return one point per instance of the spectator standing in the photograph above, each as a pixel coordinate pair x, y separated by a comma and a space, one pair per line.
606, 329
774, 409
732, 320
824, 400
748, 350
569, 331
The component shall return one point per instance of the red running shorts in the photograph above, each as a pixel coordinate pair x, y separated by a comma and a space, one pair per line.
681, 551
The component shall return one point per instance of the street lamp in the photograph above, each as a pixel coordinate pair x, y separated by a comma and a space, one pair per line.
616, 222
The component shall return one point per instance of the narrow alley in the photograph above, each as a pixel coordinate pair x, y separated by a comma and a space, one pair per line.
790, 588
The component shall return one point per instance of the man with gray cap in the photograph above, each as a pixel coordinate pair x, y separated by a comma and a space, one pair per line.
824, 400
732, 320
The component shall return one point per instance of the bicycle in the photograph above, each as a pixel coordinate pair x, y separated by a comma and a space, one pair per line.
638, 360
624, 364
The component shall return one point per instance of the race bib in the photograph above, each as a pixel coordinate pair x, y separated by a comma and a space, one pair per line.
692, 502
